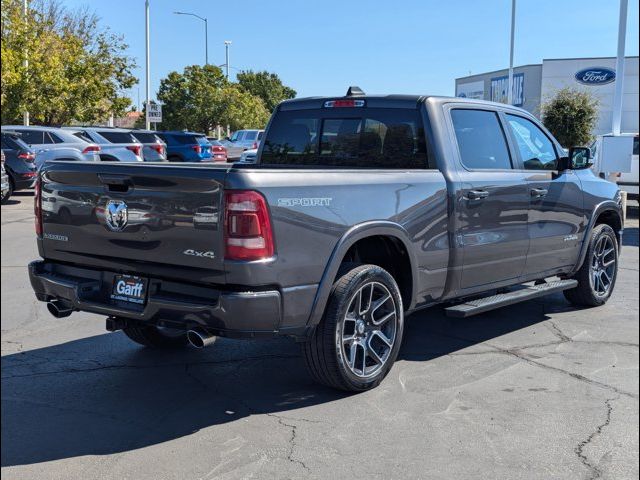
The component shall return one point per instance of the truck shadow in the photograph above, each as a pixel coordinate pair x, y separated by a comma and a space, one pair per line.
103, 395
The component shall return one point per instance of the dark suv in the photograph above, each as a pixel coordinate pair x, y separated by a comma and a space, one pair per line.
19, 162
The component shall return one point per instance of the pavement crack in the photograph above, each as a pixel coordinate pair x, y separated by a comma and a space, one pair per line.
558, 332
594, 469
292, 440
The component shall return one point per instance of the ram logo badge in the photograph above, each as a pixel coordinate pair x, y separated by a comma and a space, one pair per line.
116, 215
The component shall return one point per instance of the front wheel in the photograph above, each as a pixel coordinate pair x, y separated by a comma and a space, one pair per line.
599, 271
358, 339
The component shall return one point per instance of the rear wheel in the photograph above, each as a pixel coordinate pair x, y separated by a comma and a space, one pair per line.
358, 339
598, 274
156, 337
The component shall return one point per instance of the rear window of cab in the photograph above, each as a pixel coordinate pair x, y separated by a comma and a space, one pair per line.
382, 138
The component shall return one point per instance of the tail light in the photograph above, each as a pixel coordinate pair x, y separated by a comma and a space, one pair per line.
135, 149
91, 148
158, 147
219, 149
248, 233
27, 156
37, 207
197, 149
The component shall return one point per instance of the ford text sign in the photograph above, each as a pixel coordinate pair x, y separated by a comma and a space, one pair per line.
596, 76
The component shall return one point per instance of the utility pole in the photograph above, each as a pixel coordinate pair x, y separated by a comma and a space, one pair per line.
513, 31
617, 99
147, 80
227, 43
25, 115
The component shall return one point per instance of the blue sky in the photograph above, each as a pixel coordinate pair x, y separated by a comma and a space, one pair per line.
399, 46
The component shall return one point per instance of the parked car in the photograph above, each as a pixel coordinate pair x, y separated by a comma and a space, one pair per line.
218, 150
186, 146
51, 143
247, 139
249, 156
359, 210
116, 144
154, 149
234, 152
19, 162
6, 187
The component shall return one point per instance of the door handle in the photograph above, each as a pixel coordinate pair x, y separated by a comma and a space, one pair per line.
539, 192
477, 194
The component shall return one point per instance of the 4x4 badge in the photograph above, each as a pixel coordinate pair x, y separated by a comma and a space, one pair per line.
116, 215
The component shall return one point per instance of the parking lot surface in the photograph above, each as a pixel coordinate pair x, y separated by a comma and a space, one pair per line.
538, 390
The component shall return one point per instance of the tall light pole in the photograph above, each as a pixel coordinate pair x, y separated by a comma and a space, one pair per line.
513, 31
25, 114
147, 123
617, 99
206, 33
227, 44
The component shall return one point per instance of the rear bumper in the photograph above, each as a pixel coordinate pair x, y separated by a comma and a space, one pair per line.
169, 303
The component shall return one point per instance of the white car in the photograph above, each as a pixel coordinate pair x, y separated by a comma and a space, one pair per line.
628, 181
116, 144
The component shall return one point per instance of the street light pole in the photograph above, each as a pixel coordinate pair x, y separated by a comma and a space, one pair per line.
25, 114
513, 30
617, 99
147, 123
227, 43
206, 33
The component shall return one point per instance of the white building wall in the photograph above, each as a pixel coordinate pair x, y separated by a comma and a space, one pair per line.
560, 73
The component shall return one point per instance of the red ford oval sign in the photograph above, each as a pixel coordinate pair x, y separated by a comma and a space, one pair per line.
596, 76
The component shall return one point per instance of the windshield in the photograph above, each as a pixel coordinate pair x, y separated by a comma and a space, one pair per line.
347, 137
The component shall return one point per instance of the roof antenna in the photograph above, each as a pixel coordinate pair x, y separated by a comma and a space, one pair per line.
354, 92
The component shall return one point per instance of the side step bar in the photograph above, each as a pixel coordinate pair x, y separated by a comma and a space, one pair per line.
481, 305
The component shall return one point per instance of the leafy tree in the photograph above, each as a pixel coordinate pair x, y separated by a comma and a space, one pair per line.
201, 98
571, 116
77, 70
266, 86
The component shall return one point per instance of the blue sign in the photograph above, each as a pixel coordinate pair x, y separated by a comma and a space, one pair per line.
500, 89
596, 76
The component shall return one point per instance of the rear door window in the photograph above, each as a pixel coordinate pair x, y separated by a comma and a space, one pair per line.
481, 141
32, 137
347, 138
118, 137
145, 137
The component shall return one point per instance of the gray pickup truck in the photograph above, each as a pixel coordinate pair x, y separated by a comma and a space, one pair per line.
359, 210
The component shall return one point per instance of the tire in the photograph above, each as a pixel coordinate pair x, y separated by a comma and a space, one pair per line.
594, 287
7, 196
357, 309
155, 337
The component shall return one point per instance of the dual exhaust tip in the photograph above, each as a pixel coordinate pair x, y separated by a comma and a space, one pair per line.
199, 338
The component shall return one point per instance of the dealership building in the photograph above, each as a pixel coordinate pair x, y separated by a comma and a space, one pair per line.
534, 84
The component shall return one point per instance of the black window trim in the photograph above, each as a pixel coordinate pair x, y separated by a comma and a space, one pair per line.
507, 139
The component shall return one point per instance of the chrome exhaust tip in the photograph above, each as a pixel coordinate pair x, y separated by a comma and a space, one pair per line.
200, 338
59, 309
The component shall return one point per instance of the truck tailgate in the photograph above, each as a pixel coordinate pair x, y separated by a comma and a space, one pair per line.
148, 219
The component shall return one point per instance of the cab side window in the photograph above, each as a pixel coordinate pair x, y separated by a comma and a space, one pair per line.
536, 149
481, 140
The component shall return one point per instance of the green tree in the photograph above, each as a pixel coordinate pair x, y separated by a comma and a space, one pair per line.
571, 115
201, 98
76, 72
266, 86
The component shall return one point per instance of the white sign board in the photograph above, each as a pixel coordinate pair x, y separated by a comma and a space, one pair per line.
471, 90
154, 113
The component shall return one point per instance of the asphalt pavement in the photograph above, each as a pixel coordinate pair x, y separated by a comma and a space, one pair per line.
539, 390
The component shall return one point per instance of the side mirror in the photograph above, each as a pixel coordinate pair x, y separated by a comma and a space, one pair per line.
577, 159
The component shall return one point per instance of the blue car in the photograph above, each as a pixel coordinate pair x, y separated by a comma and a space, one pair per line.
186, 146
